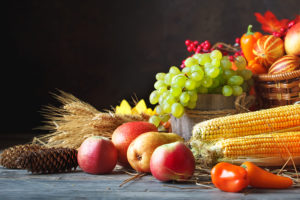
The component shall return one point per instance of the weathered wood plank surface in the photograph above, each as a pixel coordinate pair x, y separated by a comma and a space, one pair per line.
20, 184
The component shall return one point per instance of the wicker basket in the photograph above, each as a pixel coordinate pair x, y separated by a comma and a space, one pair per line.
278, 89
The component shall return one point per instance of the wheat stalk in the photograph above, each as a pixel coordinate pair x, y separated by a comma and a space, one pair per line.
73, 122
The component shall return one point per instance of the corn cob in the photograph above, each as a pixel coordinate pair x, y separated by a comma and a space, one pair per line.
264, 149
251, 123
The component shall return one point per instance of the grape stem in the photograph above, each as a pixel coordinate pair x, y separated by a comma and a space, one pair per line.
226, 47
186, 75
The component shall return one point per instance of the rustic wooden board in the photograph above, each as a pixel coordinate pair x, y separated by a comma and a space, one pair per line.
20, 184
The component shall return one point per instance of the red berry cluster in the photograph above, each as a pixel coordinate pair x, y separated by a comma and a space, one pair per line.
283, 30
198, 47
237, 53
206, 47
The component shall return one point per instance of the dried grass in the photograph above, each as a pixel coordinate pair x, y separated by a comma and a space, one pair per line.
73, 122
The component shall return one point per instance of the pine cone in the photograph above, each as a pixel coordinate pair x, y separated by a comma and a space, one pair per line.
10, 155
51, 160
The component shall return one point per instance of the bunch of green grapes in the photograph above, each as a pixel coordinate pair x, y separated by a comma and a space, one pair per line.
203, 73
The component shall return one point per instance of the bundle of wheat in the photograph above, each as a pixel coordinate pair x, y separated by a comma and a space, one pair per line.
73, 122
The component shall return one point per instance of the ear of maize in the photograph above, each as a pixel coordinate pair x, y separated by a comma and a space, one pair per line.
251, 123
263, 149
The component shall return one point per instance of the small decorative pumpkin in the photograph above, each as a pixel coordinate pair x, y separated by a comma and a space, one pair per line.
286, 63
268, 49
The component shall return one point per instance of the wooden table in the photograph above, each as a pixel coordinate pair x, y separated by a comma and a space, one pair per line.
20, 184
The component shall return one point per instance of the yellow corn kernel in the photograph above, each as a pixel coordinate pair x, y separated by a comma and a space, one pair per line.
251, 123
274, 149
283, 145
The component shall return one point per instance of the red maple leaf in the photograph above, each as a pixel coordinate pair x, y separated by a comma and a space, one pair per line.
297, 19
270, 23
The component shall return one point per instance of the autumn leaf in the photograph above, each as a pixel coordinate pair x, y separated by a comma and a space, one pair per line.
270, 23
297, 19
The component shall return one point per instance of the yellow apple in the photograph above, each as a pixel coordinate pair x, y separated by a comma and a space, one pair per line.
140, 150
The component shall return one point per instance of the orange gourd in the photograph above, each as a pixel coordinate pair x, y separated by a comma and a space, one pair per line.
268, 49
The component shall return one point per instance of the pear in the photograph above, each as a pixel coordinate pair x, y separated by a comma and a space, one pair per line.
141, 148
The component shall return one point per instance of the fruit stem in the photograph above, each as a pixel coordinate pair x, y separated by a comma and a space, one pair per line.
249, 30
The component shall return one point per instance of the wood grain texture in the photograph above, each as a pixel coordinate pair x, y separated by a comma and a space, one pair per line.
19, 184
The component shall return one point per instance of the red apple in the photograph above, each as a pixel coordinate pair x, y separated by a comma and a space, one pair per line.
292, 40
173, 161
141, 148
125, 134
97, 155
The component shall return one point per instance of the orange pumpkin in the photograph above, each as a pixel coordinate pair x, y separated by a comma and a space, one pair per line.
286, 63
268, 49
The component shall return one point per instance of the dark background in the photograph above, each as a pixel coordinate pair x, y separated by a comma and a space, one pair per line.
105, 51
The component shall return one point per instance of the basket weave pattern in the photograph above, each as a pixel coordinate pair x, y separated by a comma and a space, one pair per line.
278, 89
